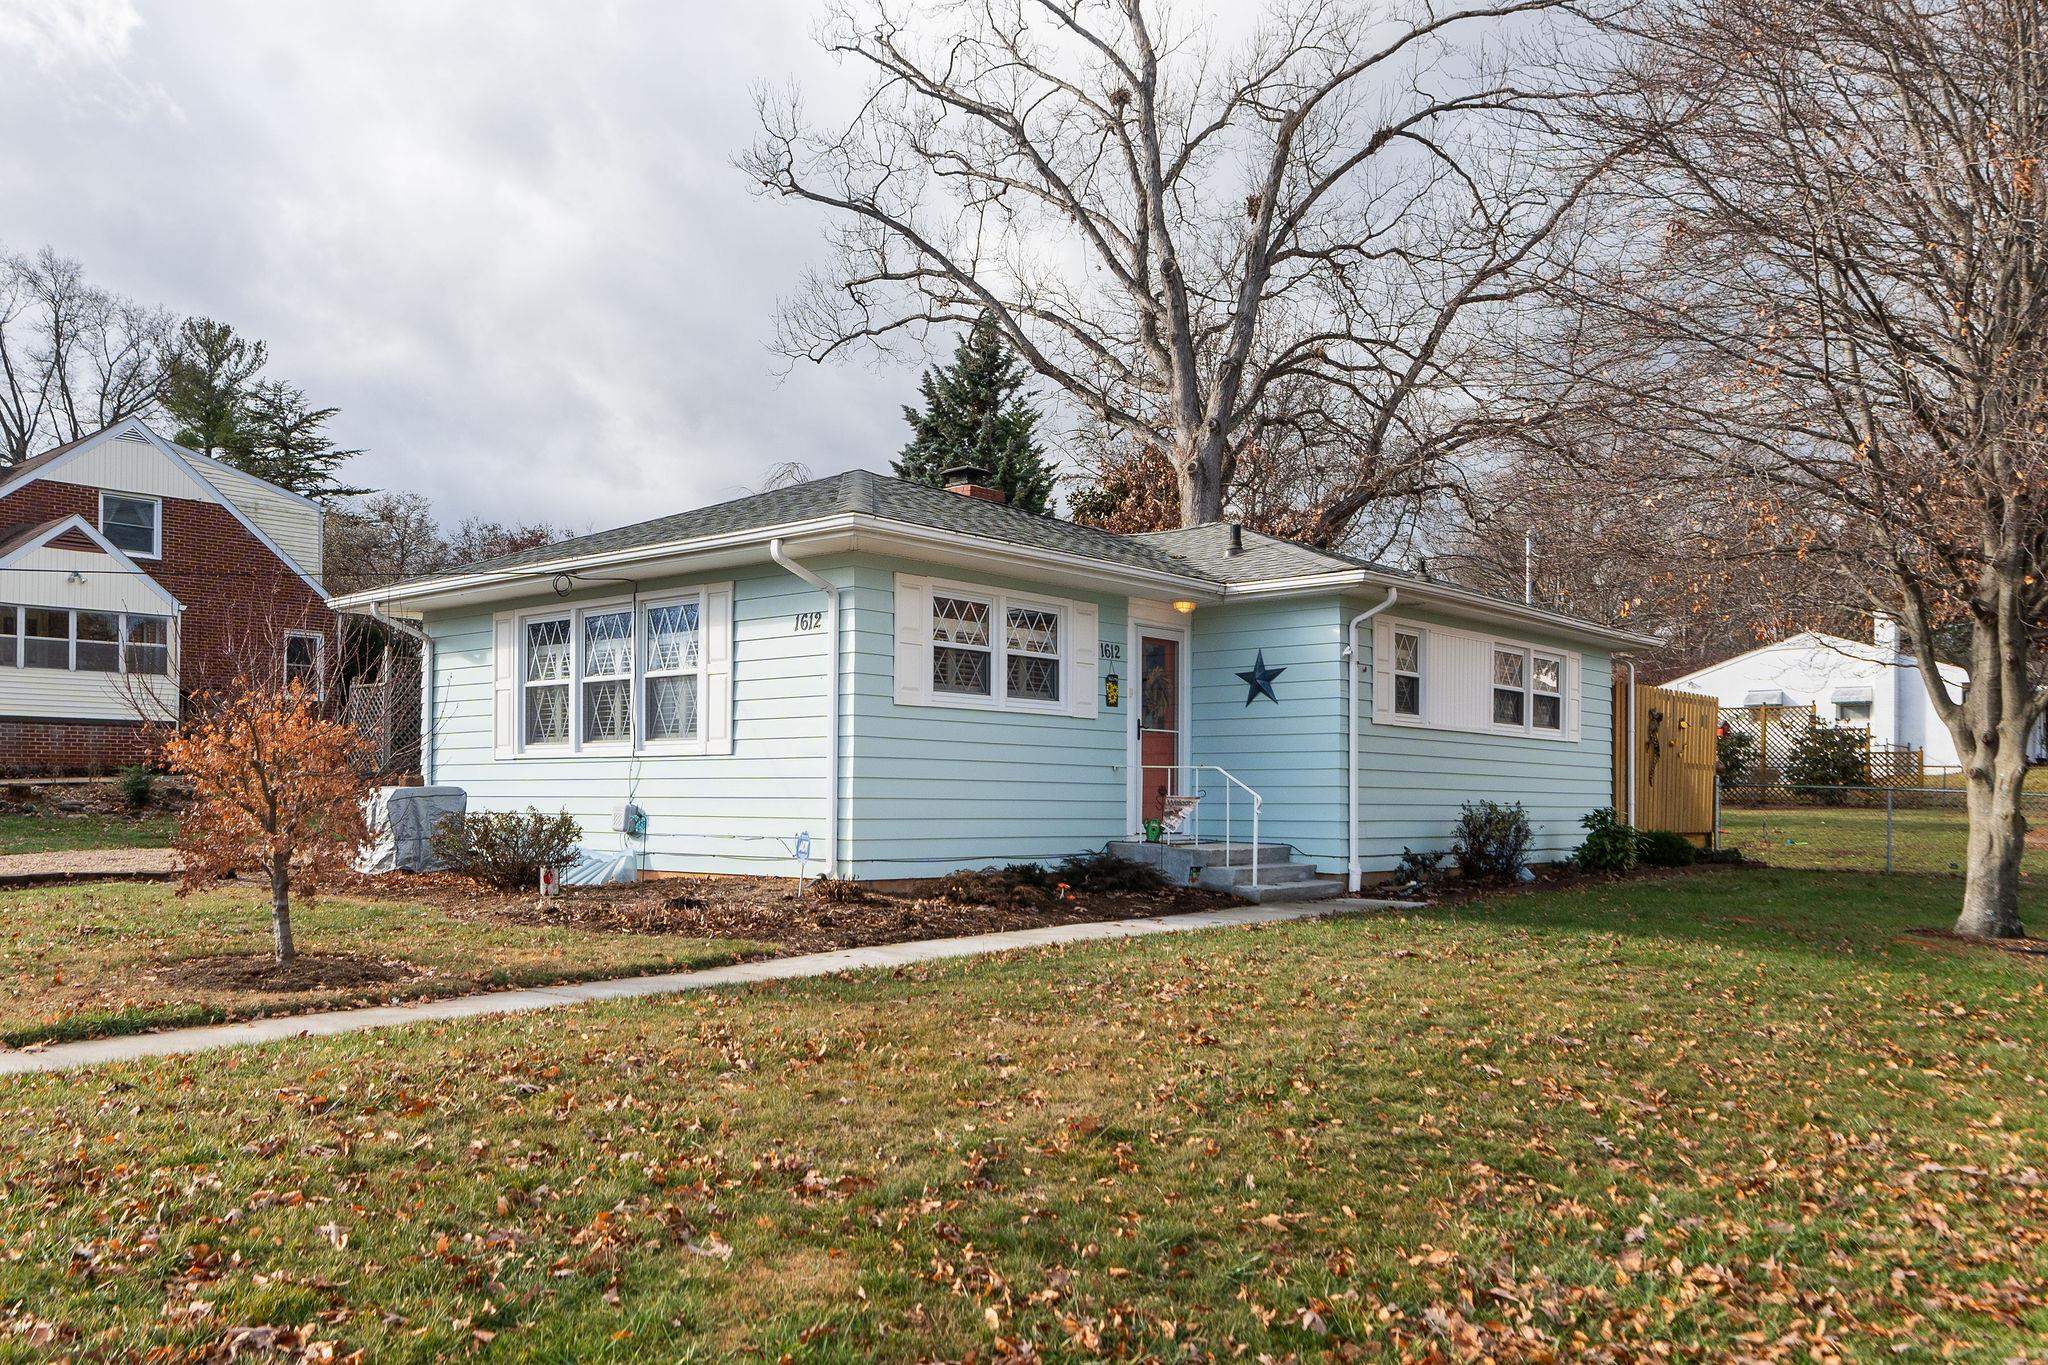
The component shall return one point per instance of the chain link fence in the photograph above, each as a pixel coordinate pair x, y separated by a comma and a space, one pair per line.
1921, 829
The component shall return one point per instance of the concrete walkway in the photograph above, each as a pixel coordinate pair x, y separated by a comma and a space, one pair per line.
65, 1056
88, 864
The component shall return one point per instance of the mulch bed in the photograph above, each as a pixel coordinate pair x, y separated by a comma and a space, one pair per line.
768, 909
260, 972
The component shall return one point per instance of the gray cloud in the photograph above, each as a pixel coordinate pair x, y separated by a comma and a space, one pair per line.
505, 239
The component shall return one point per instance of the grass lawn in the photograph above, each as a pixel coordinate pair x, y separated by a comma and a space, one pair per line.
121, 957
1737, 1111
54, 833
1852, 838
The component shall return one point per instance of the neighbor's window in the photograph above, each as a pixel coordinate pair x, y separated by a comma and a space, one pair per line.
675, 659
134, 524
549, 665
10, 636
147, 647
302, 657
1407, 673
45, 637
1546, 692
1510, 681
608, 677
960, 647
99, 642
1853, 712
1032, 654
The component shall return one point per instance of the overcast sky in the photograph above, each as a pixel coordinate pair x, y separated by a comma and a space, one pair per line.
506, 240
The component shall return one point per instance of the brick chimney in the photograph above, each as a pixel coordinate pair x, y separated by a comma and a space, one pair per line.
970, 481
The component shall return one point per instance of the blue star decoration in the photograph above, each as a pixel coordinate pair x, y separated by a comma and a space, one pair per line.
1260, 680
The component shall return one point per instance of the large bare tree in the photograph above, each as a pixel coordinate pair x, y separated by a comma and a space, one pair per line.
1312, 241
1828, 318
73, 357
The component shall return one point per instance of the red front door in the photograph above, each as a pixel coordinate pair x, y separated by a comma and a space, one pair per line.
1158, 723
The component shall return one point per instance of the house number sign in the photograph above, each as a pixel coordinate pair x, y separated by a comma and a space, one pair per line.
807, 621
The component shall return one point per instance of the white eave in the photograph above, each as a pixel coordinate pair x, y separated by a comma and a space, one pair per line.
1424, 592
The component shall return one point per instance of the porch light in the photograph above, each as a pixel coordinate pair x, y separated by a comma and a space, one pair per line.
1184, 608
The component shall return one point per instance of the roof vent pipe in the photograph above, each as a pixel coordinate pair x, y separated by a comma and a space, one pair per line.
1236, 539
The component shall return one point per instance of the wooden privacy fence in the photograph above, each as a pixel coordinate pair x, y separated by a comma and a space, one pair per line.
1766, 767
1674, 745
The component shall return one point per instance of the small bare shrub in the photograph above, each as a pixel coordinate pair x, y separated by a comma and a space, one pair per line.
507, 849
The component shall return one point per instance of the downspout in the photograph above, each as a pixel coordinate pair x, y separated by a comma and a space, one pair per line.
831, 697
426, 643
1629, 768
1351, 731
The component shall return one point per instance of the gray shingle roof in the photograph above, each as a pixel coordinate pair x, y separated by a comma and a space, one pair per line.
857, 491
1206, 549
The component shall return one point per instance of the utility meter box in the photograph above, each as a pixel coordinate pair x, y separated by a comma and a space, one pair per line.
629, 820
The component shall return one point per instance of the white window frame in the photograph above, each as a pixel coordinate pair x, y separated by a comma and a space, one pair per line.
993, 649
284, 658
1493, 688
999, 603
580, 638
1420, 672
19, 635
679, 744
577, 746
1571, 685
156, 550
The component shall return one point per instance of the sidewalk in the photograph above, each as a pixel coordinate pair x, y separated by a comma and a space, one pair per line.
96, 864
64, 1056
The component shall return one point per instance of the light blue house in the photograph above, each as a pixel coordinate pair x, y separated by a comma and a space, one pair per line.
920, 680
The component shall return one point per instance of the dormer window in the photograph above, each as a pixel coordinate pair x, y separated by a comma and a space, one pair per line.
134, 524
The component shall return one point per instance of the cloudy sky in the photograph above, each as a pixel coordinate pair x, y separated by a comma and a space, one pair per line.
506, 240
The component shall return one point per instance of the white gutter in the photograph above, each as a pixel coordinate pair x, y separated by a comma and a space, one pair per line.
831, 696
1351, 731
426, 642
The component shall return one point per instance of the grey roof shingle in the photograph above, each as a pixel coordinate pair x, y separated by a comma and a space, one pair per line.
856, 491
1206, 549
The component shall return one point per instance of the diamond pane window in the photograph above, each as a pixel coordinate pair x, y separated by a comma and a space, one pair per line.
1507, 669
1407, 695
960, 621
672, 707
1407, 652
547, 650
1546, 702
961, 671
1407, 673
607, 644
1510, 701
547, 714
607, 710
672, 637
1033, 678
1033, 631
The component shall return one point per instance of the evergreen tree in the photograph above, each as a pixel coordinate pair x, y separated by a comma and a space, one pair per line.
214, 390
974, 414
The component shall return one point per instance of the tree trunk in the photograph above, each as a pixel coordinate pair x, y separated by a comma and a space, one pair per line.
1998, 834
1199, 463
281, 908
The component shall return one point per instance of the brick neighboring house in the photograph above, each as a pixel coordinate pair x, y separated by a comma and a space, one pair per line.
135, 573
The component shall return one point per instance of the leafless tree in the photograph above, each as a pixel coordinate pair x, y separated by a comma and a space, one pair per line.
73, 357
1827, 314
1314, 242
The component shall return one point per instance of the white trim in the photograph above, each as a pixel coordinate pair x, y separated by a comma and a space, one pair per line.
714, 623
182, 458
1180, 630
1438, 688
76, 522
913, 599
156, 532
284, 662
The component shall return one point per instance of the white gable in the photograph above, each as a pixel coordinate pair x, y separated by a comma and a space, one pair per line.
130, 463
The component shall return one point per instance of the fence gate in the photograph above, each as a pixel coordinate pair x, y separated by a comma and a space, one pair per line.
1674, 740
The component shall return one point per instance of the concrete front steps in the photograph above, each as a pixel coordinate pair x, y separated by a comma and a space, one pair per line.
1228, 868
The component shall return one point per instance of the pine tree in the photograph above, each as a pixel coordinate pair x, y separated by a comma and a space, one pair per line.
974, 413
214, 390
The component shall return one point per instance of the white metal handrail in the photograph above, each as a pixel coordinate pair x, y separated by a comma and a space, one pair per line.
1237, 783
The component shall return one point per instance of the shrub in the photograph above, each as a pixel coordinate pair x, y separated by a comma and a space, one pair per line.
507, 849
275, 786
1663, 848
1611, 844
1492, 839
1102, 872
1417, 869
136, 785
1735, 755
1828, 756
